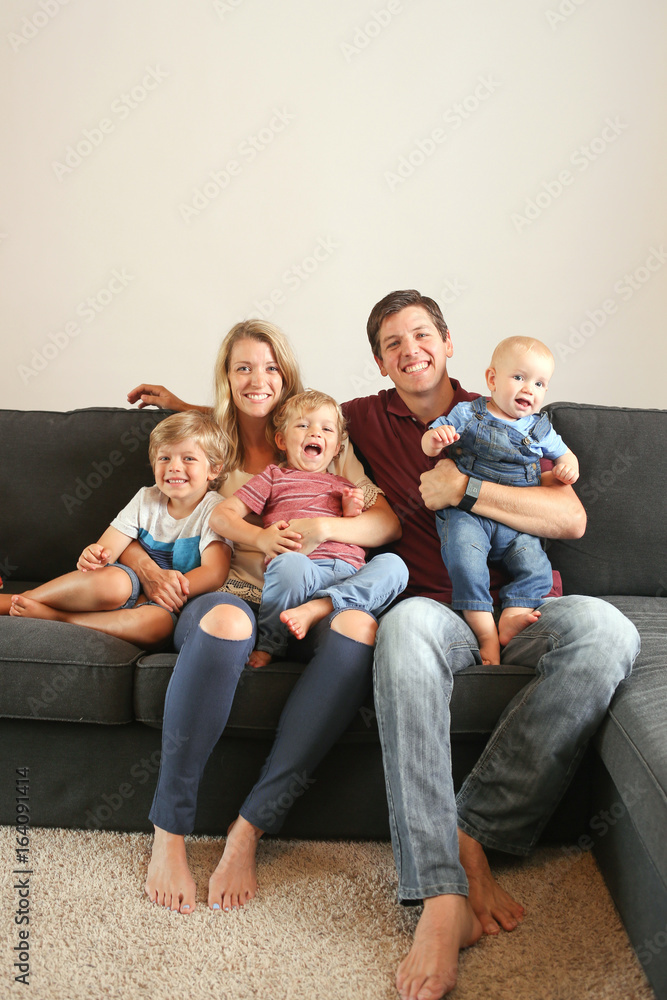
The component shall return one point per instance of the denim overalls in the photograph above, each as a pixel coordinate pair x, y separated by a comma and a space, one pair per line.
493, 450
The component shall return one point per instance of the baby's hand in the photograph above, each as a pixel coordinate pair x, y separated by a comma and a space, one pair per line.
352, 501
93, 557
438, 438
566, 473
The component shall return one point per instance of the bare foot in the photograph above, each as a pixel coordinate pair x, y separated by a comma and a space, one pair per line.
259, 658
515, 620
234, 881
26, 607
489, 650
429, 970
299, 620
492, 905
169, 882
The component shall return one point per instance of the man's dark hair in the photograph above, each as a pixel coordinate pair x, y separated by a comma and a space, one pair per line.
393, 303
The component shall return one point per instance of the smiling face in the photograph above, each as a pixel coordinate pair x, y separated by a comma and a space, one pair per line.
182, 472
254, 378
413, 353
311, 439
518, 380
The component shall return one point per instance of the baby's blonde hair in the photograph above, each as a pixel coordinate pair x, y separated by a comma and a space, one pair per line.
521, 345
202, 428
304, 402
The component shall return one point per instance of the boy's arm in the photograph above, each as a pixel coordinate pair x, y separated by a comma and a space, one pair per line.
104, 551
228, 519
374, 527
566, 469
214, 569
551, 510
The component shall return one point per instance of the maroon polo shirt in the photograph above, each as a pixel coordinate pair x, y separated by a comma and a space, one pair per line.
388, 436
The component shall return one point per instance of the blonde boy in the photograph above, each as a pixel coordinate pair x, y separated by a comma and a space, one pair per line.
170, 521
300, 590
500, 439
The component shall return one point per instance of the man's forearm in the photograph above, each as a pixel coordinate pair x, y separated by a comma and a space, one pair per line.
549, 511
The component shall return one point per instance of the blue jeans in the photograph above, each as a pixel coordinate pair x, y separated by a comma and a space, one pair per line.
292, 578
581, 649
467, 541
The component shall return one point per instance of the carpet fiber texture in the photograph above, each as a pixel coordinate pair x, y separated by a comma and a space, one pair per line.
324, 926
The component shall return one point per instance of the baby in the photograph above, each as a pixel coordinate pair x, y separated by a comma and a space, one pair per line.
501, 440
301, 590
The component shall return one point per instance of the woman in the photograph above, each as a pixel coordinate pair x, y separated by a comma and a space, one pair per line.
255, 372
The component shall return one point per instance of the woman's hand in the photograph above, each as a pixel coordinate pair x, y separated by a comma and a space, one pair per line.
156, 395
311, 531
167, 587
278, 538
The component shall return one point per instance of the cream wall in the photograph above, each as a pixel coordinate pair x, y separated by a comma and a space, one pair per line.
358, 147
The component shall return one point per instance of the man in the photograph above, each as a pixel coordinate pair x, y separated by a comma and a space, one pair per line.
580, 647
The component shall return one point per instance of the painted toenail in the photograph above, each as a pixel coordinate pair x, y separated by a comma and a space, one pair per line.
186, 907
216, 906
226, 909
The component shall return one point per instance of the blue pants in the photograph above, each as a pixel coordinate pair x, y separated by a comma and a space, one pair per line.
292, 578
581, 648
468, 542
333, 686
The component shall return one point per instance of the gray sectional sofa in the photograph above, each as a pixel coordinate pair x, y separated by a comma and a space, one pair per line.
83, 711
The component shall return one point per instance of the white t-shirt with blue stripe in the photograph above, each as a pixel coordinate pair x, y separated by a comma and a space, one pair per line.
171, 543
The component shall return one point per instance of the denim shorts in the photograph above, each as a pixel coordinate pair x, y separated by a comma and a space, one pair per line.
131, 602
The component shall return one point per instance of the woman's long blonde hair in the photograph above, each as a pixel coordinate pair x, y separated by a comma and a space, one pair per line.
224, 409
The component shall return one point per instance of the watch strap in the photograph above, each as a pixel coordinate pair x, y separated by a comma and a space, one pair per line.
471, 495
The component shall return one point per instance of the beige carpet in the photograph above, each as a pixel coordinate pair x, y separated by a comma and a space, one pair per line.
325, 926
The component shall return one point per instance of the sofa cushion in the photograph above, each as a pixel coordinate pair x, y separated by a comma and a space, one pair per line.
52, 670
624, 549
479, 697
89, 464
631, 741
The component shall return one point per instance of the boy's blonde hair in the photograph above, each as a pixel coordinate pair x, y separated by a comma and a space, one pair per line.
224, 408
191, 424
304, 402
521, 345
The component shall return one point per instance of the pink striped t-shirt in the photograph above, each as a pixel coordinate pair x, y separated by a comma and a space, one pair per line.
282, 494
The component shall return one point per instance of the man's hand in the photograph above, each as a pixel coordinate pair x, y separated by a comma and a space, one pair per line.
352, 501
167, 587
312, 531
437, 438
278, 538
93, 557
443, 486
156, 395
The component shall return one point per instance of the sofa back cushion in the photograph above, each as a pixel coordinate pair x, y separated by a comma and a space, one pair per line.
623, 486
63, 477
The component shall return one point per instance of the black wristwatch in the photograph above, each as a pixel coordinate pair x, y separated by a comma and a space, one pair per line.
471, 495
